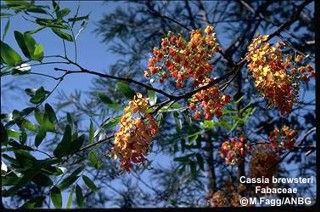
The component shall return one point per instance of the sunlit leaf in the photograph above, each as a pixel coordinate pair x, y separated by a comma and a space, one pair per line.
21, 42
94, 160
39, 96
62, 13
38, 53
28, 125
9, 56
38, 115
80, 18
70, 198
63, 35
152, 95
6, 28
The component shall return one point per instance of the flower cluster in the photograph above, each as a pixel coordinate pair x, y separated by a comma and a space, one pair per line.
183, 60
209, 102
234, 150
137, 128
276, 75
282, 139
263, 163
189, 60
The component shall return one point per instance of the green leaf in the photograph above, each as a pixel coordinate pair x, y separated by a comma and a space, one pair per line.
63, 35
28, 125
3, 15
104, 98
174, 107
21, 42
193, 137
53, 24
35, 30
16, 3
89, 183
38, 115
94, 160
39, 96
91, 132
79, 196
71, 178
208, 124
6, 28
37, 55
13, 133
29, 47
36, 9
51, 114
9, 56
224, 124
70, 198
109, 102
56, 197
152, 95
65, 145
126, 90
67, 182
62, 13
80, 18
40, 136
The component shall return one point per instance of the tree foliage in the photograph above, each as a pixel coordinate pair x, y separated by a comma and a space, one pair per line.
197, 99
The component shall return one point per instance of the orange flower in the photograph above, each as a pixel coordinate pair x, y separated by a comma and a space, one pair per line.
234, 150
183, 59
133, 139
272, 74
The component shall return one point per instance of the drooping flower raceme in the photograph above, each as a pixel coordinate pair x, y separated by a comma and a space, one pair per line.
137, 128
276, 75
